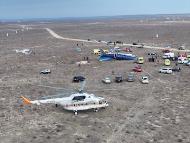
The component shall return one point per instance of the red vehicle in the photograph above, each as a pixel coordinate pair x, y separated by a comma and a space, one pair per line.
137, 69
127, 50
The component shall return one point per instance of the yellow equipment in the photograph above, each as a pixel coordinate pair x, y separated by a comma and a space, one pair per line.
97, 51
167, 62
140, 60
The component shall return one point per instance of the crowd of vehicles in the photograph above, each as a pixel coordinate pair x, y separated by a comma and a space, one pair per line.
84, 101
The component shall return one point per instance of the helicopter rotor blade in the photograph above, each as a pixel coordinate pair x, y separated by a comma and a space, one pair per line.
103, 90
57, 88
60, 95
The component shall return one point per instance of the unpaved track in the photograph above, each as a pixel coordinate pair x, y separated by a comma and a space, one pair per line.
55, 35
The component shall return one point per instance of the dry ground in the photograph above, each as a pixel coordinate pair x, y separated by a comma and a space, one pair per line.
157, 112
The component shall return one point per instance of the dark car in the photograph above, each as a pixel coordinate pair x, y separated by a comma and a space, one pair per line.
152, 54
119, 42
134, 43
118, 79
176, 69
78, 78
109, 42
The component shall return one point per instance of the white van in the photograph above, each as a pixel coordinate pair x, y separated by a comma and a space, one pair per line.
168, 55
166, 70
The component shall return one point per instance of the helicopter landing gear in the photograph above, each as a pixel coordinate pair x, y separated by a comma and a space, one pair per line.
75, 112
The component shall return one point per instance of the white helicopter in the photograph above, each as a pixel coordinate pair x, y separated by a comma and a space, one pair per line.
75, 102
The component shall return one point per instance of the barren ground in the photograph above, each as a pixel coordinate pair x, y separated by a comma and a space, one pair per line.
157, 112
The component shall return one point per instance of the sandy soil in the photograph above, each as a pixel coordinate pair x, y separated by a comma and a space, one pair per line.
138, 113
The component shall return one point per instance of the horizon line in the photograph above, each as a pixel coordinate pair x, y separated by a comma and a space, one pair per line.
89, 17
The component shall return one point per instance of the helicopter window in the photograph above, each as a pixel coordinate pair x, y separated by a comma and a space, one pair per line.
79, 98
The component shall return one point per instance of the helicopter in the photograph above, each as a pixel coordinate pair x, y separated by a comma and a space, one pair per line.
77, 101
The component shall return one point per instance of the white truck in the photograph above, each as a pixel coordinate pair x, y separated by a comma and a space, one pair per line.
168, 55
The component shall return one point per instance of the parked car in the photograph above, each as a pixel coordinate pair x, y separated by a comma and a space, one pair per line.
140, 46
168, 55
140, 60
182, 47
106, 80
127, 50
166, 70
152, 54
109, 42
188, 57
145, 79
118, 79
176, 69
78, 78
182, 61
119, 42
45, 71
131, 77
188, 63
137, 69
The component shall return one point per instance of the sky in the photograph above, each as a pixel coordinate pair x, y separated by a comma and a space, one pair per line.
26, 9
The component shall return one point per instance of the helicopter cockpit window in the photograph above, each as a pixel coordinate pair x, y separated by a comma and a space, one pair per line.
78, 98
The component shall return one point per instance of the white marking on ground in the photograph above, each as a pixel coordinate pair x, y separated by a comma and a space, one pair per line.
55, 35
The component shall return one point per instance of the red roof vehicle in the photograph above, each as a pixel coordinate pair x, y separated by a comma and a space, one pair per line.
127, 50
137, 69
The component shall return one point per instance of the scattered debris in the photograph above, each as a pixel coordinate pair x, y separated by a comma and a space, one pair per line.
82, 63
24, 51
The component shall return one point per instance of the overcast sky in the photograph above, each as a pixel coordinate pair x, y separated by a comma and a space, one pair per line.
20, 9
